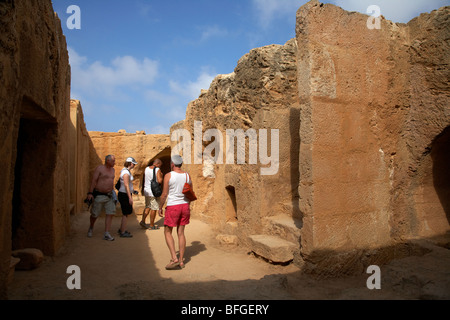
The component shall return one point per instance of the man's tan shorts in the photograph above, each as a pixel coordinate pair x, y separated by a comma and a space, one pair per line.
152, 203
101, 201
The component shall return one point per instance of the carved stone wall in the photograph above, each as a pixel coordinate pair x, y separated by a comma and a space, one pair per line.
363, 117
360, 120
373, 103
34, 109
144, 148
261, 94
80, 151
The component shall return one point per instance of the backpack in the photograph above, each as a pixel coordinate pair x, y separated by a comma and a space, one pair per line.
117, 186
156, 187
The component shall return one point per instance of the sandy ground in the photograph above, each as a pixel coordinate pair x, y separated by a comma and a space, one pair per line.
134, 269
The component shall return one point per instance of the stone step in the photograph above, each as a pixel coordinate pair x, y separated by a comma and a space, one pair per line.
272, 248
283, 226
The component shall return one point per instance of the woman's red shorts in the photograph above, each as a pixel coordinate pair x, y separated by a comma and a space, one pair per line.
178, 215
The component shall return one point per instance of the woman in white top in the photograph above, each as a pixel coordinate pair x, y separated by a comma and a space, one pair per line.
177, 211
151, 202
125, 195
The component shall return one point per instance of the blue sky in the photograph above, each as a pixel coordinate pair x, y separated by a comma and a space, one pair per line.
136, 64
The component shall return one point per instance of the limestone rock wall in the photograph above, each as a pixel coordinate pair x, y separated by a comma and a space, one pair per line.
426, 175
122, 145
80, 151
363, 124
364, 128
372, 102
261, 93
34, 109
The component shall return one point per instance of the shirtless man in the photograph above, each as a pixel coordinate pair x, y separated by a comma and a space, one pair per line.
101, 192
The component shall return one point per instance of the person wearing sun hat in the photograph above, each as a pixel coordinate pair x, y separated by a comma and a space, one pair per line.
177, 210
125, 195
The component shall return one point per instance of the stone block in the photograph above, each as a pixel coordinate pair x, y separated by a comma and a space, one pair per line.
285, 227
227, 239
29, 258
272, 248
12, 266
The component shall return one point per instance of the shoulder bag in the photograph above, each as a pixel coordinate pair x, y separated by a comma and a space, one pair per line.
188, 192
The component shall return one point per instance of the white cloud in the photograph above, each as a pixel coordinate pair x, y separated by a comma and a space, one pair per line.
268, 10
123, 93
122, 72
213, 31
159, 98
159, 129
206, 33
396, 11
75, 59
170, 107
191, 89
166, 105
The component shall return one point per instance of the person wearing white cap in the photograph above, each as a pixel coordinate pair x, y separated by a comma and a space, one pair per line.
125, 195
177, 210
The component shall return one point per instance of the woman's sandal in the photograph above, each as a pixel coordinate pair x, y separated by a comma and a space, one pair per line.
172, 264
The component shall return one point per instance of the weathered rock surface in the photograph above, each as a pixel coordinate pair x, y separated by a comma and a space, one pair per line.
79, 157
273, 248
283, 226
122, 145
34, 122
30, 258
374, 104
363, 120
261, 93
227, 239
363, 124
12, 267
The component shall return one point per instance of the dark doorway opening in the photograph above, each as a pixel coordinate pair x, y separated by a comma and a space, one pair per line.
164, 156
33, 197
231, 205
440, 153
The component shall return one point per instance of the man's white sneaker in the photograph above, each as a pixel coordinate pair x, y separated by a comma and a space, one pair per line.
108, 237
89, 233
